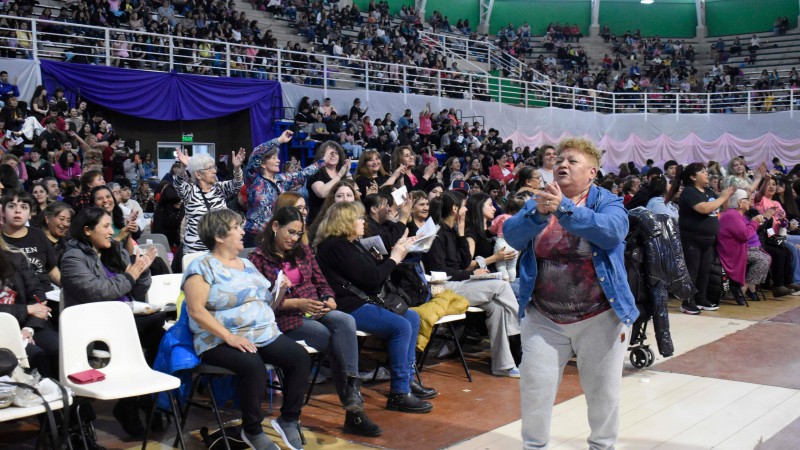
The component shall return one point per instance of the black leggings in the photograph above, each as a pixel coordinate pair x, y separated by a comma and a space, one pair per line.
251, 377
698, 251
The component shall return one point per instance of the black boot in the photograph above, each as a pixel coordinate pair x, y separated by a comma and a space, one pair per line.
126, 412
357, 422
352, 401
515, 343
421, 391
407, 402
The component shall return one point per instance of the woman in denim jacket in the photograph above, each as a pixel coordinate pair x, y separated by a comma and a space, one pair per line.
575, 293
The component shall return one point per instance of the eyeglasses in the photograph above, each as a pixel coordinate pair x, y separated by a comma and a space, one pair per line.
294, 234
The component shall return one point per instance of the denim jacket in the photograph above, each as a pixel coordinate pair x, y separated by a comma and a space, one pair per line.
603, 222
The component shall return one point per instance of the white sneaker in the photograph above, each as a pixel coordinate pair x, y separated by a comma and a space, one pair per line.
511, 373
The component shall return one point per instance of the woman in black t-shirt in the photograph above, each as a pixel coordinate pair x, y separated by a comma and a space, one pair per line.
337, 166
699, 224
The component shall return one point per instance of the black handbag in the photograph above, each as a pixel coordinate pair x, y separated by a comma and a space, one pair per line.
8, 362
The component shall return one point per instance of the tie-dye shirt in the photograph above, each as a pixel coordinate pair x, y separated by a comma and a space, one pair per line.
239, 299
567, 289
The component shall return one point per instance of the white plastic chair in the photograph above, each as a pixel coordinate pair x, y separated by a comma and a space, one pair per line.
157, 238
162, 253
127, 373
165, 289
11, 338
187, 259
447, 321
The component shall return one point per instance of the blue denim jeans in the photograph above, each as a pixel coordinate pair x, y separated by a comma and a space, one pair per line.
401, 332
791, 241
335, 335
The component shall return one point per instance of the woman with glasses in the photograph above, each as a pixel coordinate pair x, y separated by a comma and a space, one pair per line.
346, 264
297, 200
206, 193
308, 311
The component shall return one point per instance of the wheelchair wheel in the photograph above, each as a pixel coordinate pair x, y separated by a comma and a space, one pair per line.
639, 357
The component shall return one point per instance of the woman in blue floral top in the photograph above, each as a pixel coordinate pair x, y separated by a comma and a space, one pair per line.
265, 183
230, 309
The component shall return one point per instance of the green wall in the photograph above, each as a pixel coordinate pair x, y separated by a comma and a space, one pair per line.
455, 9
666, 18
539, 14
747, 16
394, 5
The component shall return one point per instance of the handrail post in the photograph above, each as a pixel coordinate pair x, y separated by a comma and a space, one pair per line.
227, 59
366, 79
677, 105
439, 85
791, 103
613, 103
405, 86
280, 69
172, 54
107, 36
645, 106
34, 40
525, 85
749, 104
325, 75
708, 103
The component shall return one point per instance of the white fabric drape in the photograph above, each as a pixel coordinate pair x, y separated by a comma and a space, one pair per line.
625, 137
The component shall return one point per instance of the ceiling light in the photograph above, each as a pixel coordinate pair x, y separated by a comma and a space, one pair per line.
647, 2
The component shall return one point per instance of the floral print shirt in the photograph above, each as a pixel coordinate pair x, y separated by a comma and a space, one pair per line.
239, 299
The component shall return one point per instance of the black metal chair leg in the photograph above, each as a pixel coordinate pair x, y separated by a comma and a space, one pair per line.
215, 409
149, 420
424, 356
174, 404
80, 427
460, 352
315, 367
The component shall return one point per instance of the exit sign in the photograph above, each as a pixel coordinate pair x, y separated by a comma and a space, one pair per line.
189, 137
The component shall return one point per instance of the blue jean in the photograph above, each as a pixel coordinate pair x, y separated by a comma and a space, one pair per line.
791, 241
401, 332
335, 335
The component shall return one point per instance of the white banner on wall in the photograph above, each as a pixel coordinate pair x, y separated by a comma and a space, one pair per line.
625, 137
25, 74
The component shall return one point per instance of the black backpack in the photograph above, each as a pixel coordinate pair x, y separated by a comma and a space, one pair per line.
410, 280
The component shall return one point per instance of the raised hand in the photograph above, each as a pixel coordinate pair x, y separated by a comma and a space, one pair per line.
285, 137
182, 157
238, 158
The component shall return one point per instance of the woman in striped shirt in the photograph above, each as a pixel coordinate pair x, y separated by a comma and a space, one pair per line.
205, 193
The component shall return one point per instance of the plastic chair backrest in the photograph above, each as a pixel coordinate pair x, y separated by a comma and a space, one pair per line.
187, 259
11, 338
157, 238
164, 289
162, 251
110, 322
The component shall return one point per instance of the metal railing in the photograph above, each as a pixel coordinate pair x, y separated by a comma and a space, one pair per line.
155, 52
478, 51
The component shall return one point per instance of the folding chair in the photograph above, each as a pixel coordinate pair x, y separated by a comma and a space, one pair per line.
11, 338
448, 321
127, 373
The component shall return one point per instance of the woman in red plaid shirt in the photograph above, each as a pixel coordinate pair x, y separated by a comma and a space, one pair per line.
308, 311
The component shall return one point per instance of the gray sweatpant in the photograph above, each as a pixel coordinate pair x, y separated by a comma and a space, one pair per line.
599, 343
497, 299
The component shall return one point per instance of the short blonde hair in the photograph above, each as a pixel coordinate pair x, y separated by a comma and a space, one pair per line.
582, 145
339, 221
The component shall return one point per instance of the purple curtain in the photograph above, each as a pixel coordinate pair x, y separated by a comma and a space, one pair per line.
168, 96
